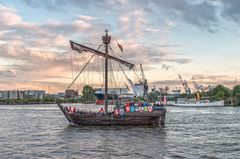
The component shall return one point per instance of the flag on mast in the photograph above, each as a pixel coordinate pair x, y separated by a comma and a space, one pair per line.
120, 46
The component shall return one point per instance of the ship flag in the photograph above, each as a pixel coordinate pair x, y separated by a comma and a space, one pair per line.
120, 46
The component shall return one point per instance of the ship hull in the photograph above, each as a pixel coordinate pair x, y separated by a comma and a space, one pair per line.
155, 118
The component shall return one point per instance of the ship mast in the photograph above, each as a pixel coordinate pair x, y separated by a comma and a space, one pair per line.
106, 40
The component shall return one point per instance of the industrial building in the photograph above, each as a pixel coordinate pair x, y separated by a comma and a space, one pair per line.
18, 94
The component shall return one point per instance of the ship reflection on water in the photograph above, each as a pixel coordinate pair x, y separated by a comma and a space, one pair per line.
116, 142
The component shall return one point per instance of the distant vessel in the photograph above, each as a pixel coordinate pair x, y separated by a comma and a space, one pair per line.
201, 103
100, 95
198, 101
128, 114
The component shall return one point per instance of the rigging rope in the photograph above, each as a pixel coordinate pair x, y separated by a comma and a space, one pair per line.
96, 66
136, 74
113, 52
70, 51
83, 69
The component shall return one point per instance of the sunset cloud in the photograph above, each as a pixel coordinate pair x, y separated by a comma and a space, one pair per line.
9, 16
34, 49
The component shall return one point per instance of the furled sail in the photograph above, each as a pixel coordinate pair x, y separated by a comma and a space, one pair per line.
80, 48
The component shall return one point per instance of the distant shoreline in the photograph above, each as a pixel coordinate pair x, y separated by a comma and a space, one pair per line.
31, 103
42, 103
26, 103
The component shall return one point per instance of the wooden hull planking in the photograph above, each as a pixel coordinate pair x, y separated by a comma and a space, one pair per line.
156, 118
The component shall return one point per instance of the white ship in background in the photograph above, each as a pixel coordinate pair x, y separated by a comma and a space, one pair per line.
183, 102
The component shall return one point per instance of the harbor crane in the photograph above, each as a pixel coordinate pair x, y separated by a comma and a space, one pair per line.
195, 84
198, 87
199, 94
144, 82
185, 85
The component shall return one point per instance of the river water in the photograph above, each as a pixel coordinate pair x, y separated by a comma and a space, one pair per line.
41, 131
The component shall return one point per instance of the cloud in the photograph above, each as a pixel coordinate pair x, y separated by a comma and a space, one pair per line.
142, 29
231, 10
8, 16
166, 82
40, 49
179, 60
86, 18
50, 5
214, 79
205, 14
7, 73
134, 24
35, 63
210, 77
169, 45
61, 5
138, 36
136, 54
204, 80
201, 14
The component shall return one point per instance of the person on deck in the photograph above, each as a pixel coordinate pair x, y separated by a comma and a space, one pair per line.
101, 111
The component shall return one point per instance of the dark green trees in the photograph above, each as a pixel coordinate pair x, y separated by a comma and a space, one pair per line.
220, 93
236, 95
87, 93
231, 97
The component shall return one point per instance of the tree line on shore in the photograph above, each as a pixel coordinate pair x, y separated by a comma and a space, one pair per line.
220, 92
230, 97
47, 99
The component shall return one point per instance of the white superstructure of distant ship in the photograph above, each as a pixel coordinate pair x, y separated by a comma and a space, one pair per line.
201, 103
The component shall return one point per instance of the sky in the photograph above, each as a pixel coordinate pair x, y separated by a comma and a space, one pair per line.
199, 39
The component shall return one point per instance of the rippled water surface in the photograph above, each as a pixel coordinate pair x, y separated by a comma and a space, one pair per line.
41, 131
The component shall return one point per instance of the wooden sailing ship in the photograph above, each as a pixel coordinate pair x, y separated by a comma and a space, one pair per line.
156, 115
